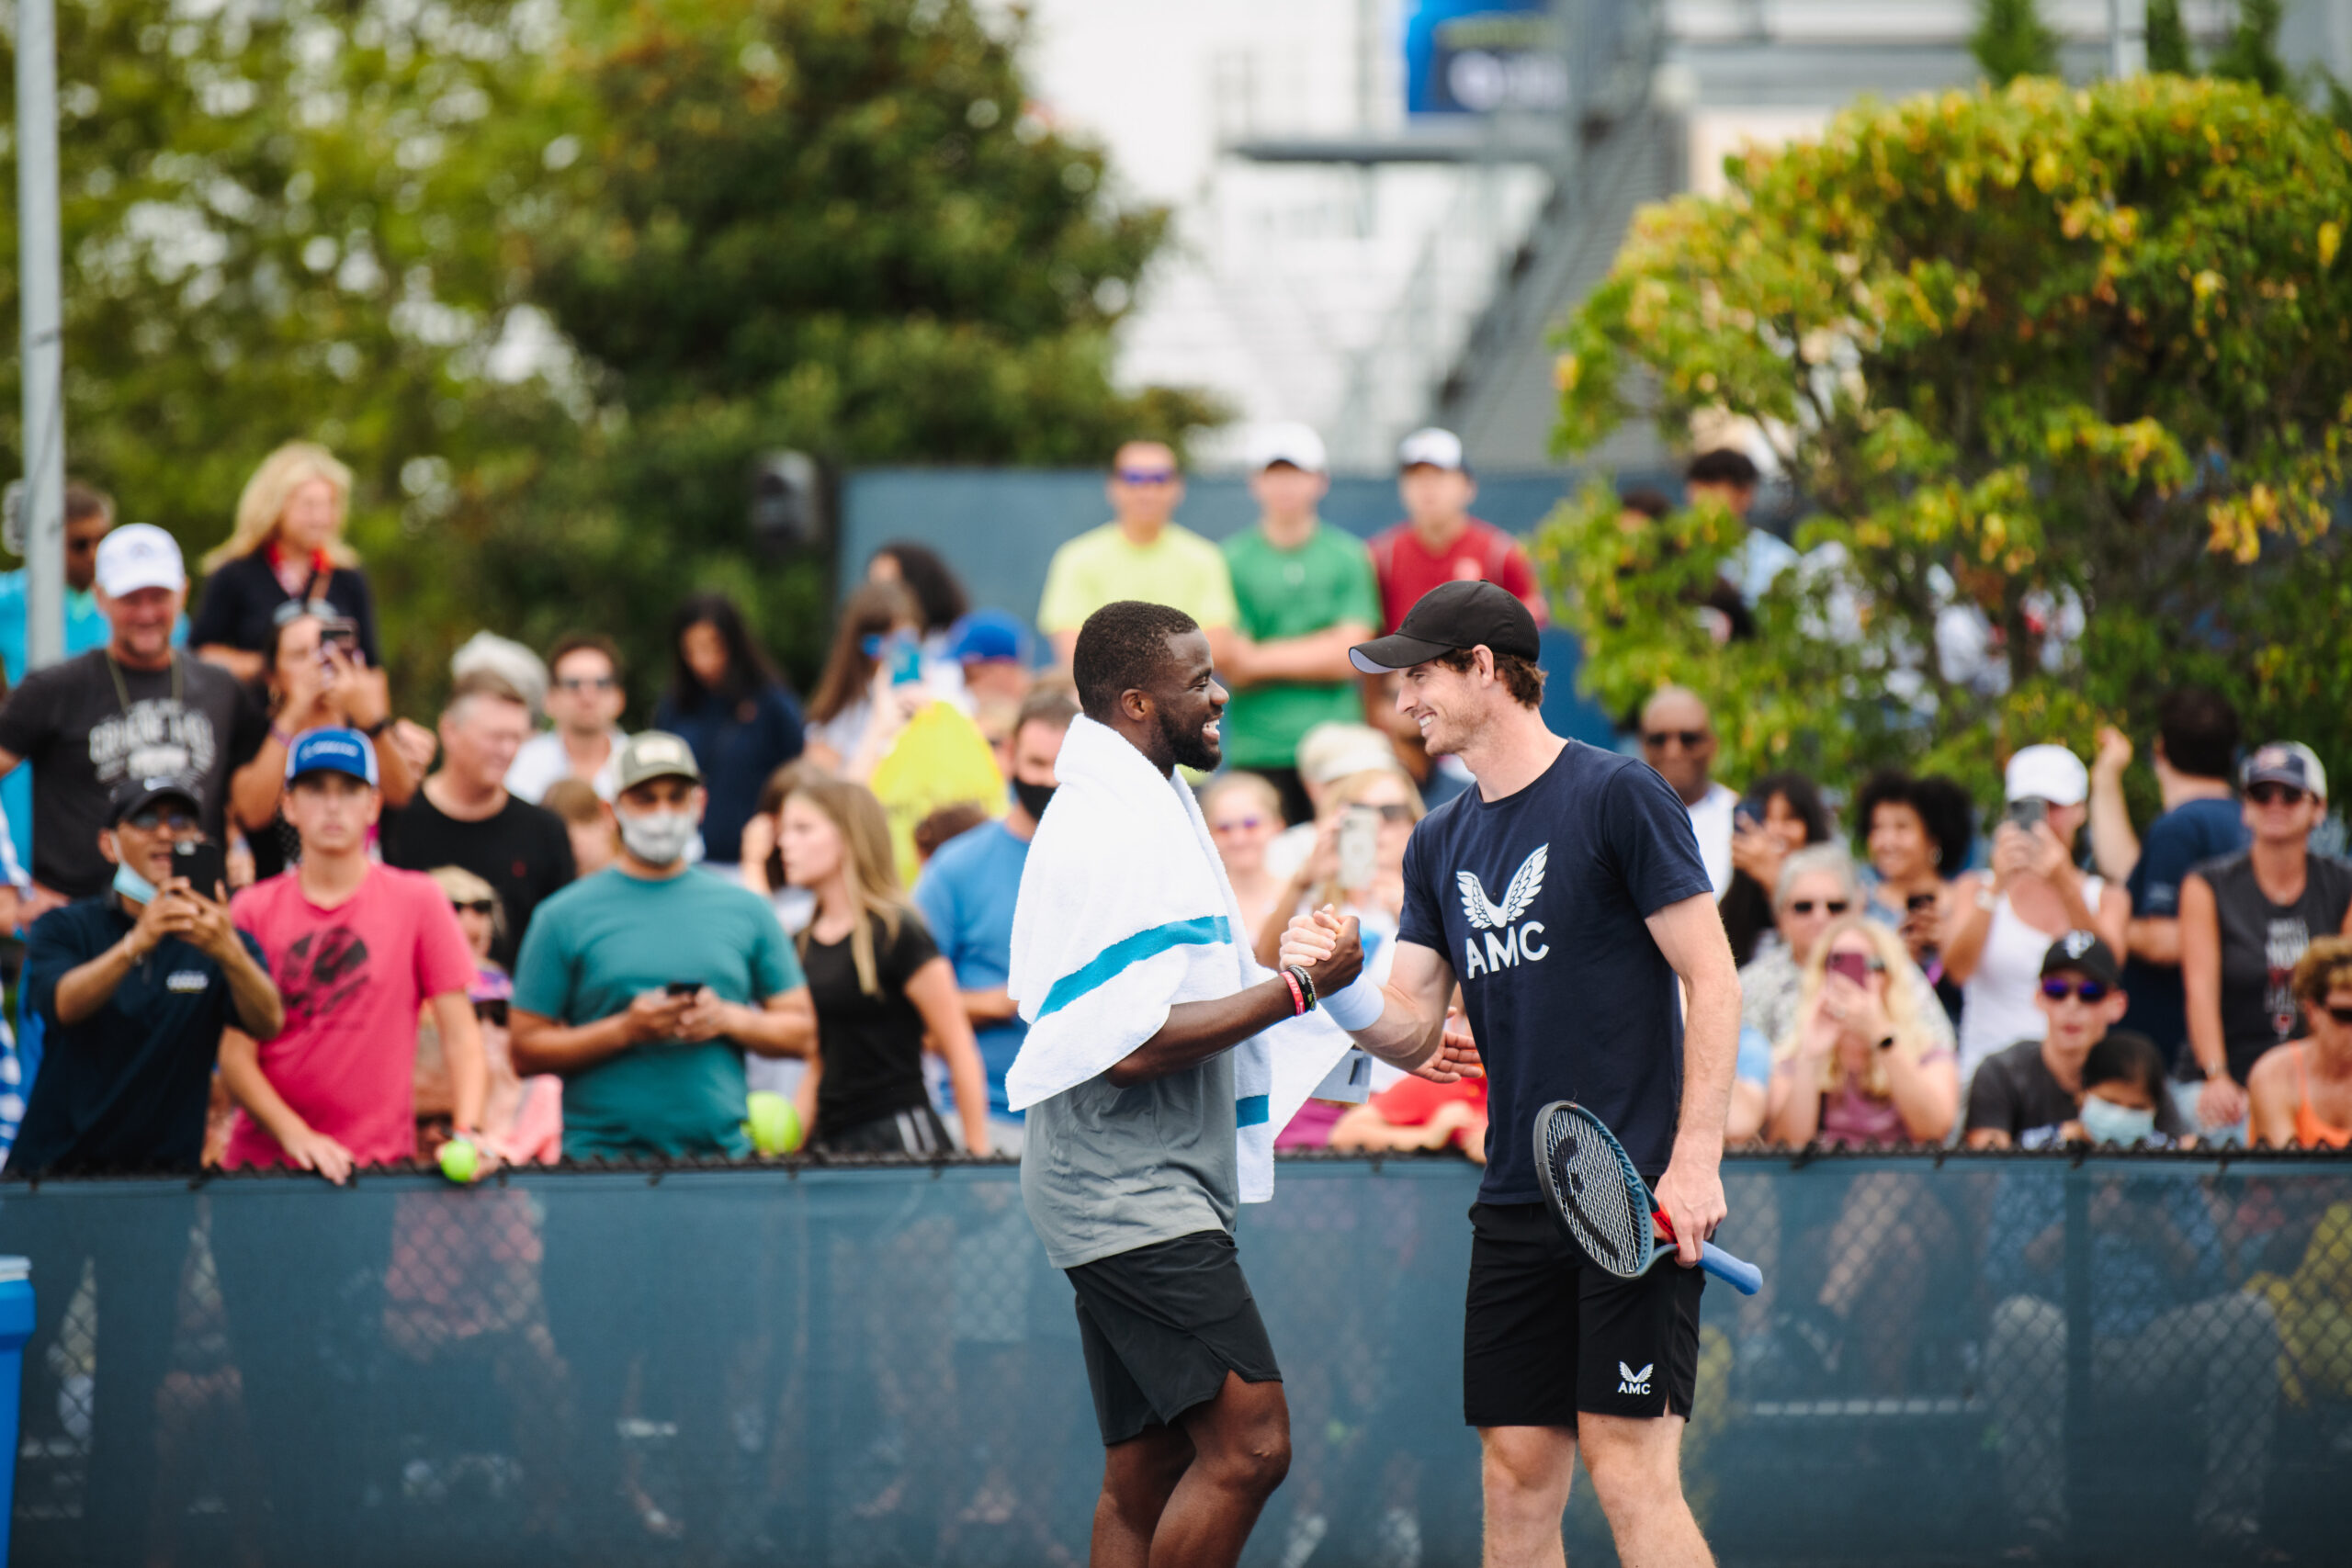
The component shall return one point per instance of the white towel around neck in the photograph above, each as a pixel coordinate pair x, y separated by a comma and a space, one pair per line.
1125, 910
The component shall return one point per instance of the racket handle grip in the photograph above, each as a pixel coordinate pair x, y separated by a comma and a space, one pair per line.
1739, 1273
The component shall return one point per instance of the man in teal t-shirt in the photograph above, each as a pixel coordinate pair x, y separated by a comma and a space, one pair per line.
1305, 592
644, 984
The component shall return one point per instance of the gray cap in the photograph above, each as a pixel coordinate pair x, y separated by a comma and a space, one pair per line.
656, 754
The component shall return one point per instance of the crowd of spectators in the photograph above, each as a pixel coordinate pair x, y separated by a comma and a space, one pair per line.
816, 898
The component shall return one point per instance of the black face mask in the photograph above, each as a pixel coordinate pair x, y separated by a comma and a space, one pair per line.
1032, 797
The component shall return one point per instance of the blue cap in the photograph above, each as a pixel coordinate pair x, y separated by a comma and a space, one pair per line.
988, 634
331, 751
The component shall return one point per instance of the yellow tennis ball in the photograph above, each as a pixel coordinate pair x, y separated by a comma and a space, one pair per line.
773, 1125
459, 1161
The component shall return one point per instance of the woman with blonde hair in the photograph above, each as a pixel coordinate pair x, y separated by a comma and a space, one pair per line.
1244, 812
287, 549
1386, 794
883, 992
1862, 1065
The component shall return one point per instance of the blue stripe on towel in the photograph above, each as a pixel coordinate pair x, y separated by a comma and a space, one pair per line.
1200, 931
1250, 1109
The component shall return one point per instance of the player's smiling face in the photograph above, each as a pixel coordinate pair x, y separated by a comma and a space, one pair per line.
1191, 703
1439, 699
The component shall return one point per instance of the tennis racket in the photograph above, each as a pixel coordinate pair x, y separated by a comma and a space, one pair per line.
1605, 1207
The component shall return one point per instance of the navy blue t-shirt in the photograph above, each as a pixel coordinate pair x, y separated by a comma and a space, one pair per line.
126, 1088
1537, 901
2194, 831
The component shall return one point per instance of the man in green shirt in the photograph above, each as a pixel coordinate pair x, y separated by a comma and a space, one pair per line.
1142, 555
644, 984
1304, 592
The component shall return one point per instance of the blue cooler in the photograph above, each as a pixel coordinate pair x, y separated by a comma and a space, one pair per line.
15, 1328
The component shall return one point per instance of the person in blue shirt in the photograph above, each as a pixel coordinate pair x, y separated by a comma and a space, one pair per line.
727, 703
969, 890
2197, 742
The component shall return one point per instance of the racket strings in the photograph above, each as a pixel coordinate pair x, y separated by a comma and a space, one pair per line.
1593, 1196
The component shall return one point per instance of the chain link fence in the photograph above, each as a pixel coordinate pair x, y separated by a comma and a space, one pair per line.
2141, 1359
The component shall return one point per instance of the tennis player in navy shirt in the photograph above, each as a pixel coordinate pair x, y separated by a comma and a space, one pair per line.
1566, 896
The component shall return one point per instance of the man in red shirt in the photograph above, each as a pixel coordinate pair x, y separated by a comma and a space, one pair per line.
1439, 541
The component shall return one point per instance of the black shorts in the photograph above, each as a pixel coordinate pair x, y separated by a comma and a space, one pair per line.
917, 1131
1162, 1326
1547, 1335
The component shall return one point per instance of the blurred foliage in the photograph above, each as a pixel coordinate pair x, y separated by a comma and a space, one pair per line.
2012, 40
2168, 40
2011, 346
551, 274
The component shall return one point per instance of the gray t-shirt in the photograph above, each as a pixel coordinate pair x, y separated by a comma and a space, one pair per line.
1105, 1170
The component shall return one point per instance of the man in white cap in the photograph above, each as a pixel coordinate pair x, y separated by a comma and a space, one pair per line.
2034, 894
1305, 594
132, 708
1439, 541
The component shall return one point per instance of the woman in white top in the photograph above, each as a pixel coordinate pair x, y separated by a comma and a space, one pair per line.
2003, 922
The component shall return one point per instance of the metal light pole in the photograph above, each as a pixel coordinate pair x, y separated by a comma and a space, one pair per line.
2127, 39
43, 360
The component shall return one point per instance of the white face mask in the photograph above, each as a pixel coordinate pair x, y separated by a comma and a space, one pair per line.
2108, 1122
656, 838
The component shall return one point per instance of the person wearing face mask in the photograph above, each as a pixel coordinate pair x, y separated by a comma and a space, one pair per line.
2123, 1082
967, 897
649, 980
135, 985
2031, 1095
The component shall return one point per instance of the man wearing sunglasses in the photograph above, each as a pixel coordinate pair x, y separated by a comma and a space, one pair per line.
1678, 740
584, 700
2022, 1096
1141, 553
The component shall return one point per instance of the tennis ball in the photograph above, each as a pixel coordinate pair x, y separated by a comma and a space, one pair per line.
773, 1125
459, 1161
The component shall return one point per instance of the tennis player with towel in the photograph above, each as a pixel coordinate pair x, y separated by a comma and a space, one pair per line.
1566, 896
1159, 1062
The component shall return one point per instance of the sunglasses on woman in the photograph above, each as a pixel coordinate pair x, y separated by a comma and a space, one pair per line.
2089, 992
1238, 825
1807, 905
474, 906
2341, 1014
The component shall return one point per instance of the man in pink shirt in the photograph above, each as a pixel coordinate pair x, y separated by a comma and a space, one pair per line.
1439, 541
357, 950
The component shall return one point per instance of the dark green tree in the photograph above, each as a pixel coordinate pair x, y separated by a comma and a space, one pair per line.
2252, 52
2168, 40
828, 224
2012, 40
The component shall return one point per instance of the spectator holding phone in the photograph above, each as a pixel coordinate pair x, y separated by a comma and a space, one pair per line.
651, 979
2247, 920
1358, 862
1780, 814
358, 950
312, 682
728, 705
1861, 1066
1817, 888
883, 992
1916, 834
286, 547
135, 986
876, 661
2301, 1093
2004, 920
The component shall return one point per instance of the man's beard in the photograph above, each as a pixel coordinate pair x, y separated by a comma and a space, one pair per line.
1191, 747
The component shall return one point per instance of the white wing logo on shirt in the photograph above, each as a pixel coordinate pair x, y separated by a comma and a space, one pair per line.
1483, 912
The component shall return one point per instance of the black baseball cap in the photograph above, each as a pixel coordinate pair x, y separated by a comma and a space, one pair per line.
1451, 617
135, 794
2083, 954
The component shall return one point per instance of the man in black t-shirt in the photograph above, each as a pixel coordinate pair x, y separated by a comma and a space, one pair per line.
2023, 1097
1566, 895
463, 815
132, 709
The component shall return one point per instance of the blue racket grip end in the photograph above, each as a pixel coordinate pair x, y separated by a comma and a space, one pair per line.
1736, 1273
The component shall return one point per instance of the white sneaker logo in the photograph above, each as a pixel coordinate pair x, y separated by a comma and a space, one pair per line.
1504, 943
1631, 1381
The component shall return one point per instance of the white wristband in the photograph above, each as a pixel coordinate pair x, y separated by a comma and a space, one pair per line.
1356, 1006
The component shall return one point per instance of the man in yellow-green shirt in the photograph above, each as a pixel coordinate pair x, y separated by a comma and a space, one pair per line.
1142, 555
